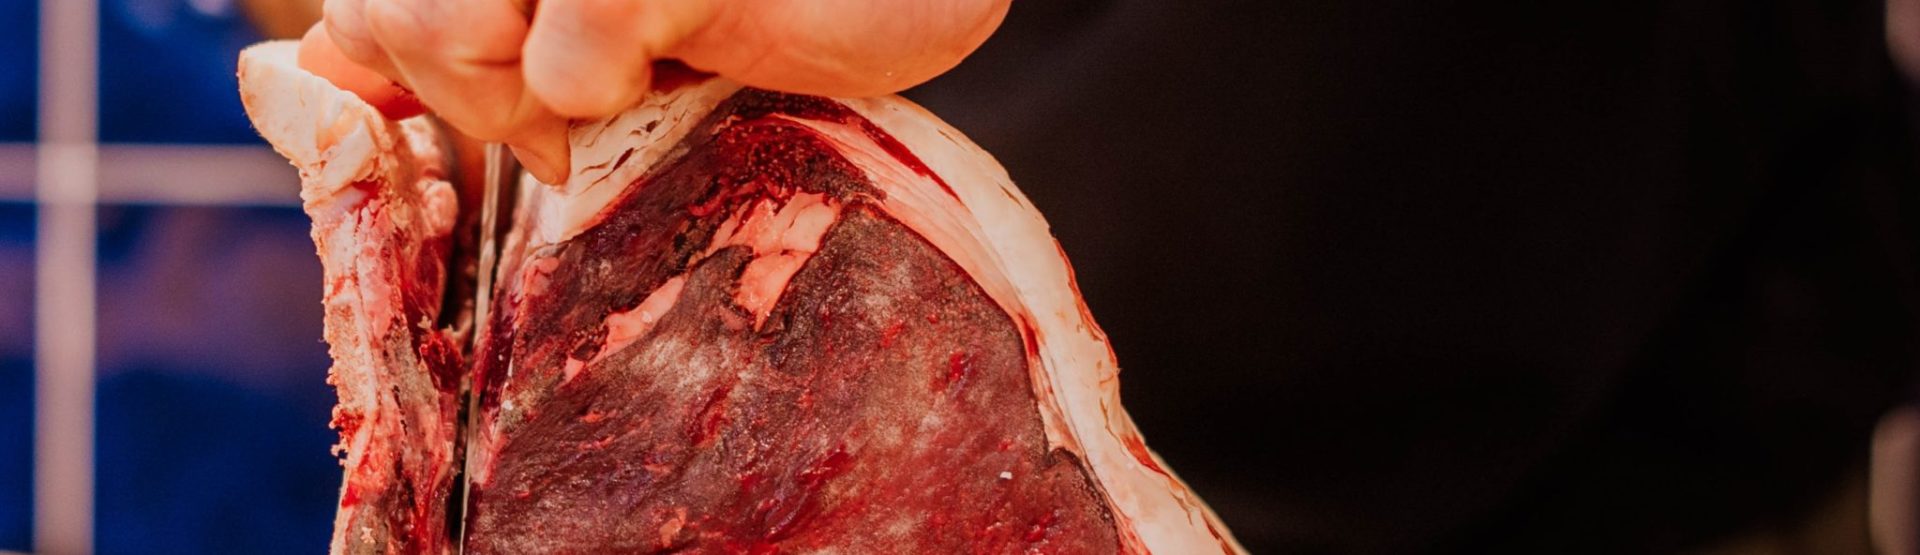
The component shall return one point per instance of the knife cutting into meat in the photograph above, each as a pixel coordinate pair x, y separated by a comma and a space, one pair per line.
502, 174
744, 321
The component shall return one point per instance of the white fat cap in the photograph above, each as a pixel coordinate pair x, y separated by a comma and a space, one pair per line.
333, 137
643, 136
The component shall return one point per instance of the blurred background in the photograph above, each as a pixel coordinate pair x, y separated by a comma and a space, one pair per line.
1434, 277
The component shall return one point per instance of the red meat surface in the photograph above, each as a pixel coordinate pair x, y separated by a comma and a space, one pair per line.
748, 322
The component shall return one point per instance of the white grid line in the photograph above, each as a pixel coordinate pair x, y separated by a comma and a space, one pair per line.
187, 175
64, 303
18, 173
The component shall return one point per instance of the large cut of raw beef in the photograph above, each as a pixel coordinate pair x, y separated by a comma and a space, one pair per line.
748, 322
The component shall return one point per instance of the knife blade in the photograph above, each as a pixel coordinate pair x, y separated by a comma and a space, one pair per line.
502, 174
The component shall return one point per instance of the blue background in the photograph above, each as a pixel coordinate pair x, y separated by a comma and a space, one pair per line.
16, 374
167, 71
19, 56
212, 405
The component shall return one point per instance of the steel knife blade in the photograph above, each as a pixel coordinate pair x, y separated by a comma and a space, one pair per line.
502, 176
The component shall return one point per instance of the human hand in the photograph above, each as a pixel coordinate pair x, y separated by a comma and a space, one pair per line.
514, 71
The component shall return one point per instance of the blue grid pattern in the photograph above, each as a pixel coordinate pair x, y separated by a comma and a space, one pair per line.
210, 429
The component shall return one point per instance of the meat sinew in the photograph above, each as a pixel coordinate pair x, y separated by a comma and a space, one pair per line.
748, 322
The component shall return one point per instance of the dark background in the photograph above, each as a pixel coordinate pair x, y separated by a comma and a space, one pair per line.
1390, 277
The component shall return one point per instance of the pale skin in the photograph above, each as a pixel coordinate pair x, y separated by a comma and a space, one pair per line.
515, 71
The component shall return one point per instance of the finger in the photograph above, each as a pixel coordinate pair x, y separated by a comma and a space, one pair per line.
590, 58
319, 55
462, 58
346, 26
840, 47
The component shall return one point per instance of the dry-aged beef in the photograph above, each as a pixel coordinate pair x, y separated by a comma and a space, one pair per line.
749, 322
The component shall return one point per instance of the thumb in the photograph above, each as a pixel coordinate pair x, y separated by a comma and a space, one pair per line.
591, 58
